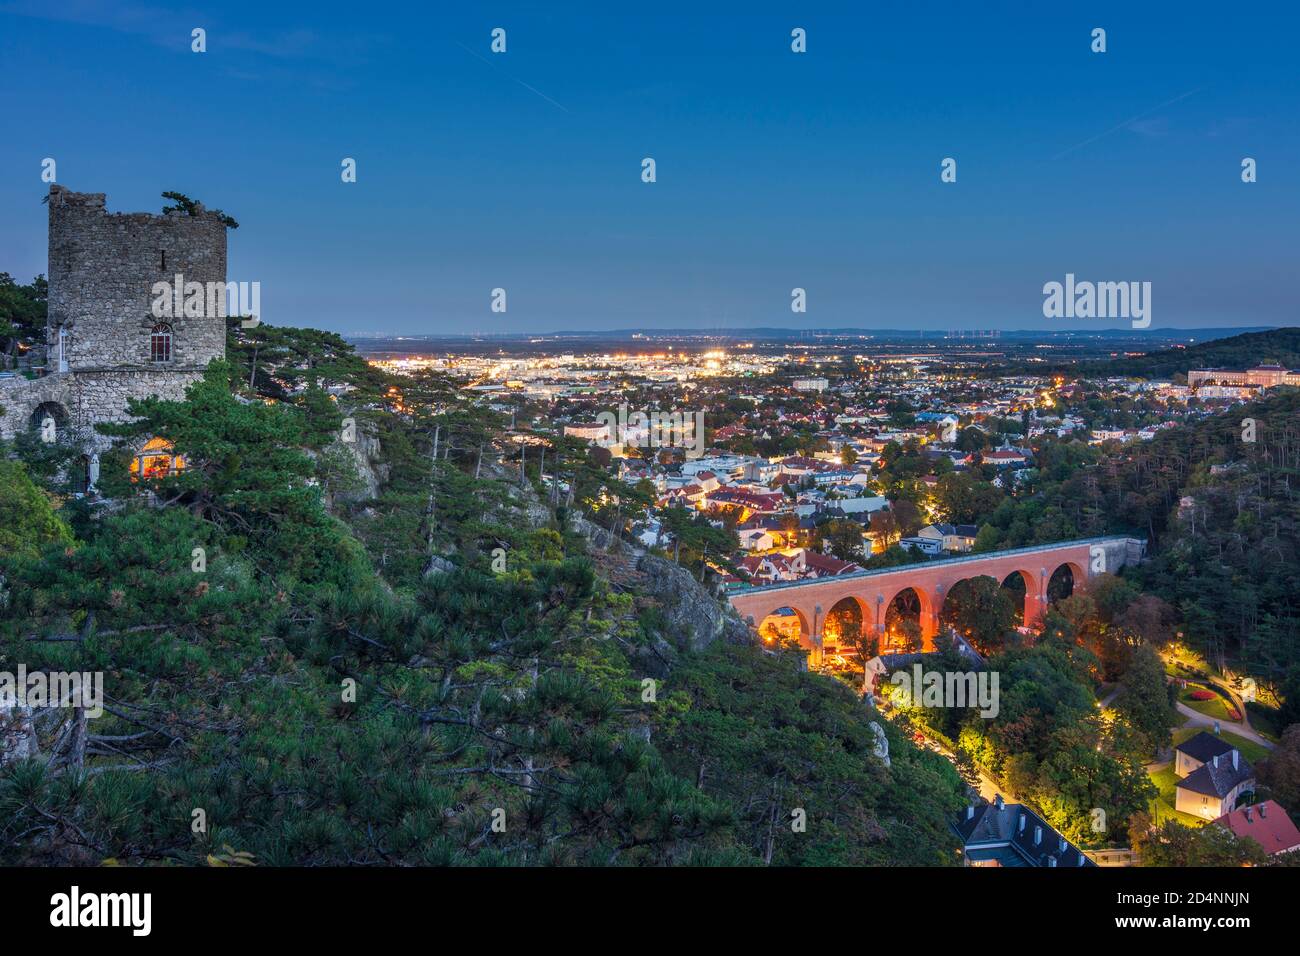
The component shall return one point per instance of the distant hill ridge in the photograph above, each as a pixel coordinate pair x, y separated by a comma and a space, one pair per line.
1276, 346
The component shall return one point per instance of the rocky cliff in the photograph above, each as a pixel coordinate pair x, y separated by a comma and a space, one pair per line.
695, 616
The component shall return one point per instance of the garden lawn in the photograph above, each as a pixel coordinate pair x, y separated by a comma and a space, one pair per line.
1215, 709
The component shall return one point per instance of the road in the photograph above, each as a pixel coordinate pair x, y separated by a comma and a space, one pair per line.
1241, 728
1197, 719
989, 788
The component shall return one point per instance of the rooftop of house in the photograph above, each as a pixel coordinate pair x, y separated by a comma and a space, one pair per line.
1218, 776
1266, 823
960, 530
827, 564
1014, 835
744, 496
888, 663
815, 464
1203, 746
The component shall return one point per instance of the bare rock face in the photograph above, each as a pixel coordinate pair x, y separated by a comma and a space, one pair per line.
696, 618
601, 538
881, 747
364, 455
437, 565
536, 514
17, 736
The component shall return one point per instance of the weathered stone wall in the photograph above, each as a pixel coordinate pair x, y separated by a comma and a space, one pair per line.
102, 271
103, 267
19, 398
86, 398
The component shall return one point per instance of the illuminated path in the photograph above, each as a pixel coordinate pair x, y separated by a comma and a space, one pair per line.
874, 591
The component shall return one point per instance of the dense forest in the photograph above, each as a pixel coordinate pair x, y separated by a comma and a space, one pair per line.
399, 649
1216, 501
1221, 513
22, 316
1280, 346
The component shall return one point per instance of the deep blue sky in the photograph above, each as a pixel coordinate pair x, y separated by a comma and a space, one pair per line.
775, 170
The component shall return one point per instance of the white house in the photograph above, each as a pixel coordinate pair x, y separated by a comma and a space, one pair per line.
1213, 775
924, 545
951, 537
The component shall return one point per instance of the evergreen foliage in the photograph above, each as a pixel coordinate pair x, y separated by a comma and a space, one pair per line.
333, 679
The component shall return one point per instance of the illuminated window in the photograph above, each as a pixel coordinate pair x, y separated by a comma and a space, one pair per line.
160, 343
156, 460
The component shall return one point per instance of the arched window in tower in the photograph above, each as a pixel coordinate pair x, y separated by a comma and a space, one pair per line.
160, 343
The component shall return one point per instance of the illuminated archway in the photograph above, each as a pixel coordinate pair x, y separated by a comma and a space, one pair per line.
846, 629
904, 630
785, 625
49, 418
950, 603
156, 460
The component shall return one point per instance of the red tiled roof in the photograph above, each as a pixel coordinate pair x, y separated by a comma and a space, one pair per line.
1271, 829
828, 564
755, 502
753, 564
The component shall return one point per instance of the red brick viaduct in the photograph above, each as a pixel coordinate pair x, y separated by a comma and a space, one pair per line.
874, 591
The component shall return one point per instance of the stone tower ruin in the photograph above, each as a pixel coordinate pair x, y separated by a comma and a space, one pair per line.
105, 344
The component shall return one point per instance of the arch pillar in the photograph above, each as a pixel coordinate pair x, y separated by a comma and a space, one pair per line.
1035, 605
929, 628
817, 621
879, 606
931, 609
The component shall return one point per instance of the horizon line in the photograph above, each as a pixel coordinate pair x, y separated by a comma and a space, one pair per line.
840, 330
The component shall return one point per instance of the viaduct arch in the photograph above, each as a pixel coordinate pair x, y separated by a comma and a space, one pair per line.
874, 591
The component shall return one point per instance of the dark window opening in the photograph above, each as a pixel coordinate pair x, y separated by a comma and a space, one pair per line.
80, 475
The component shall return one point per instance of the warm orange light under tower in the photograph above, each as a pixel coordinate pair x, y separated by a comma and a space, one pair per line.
156, 460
